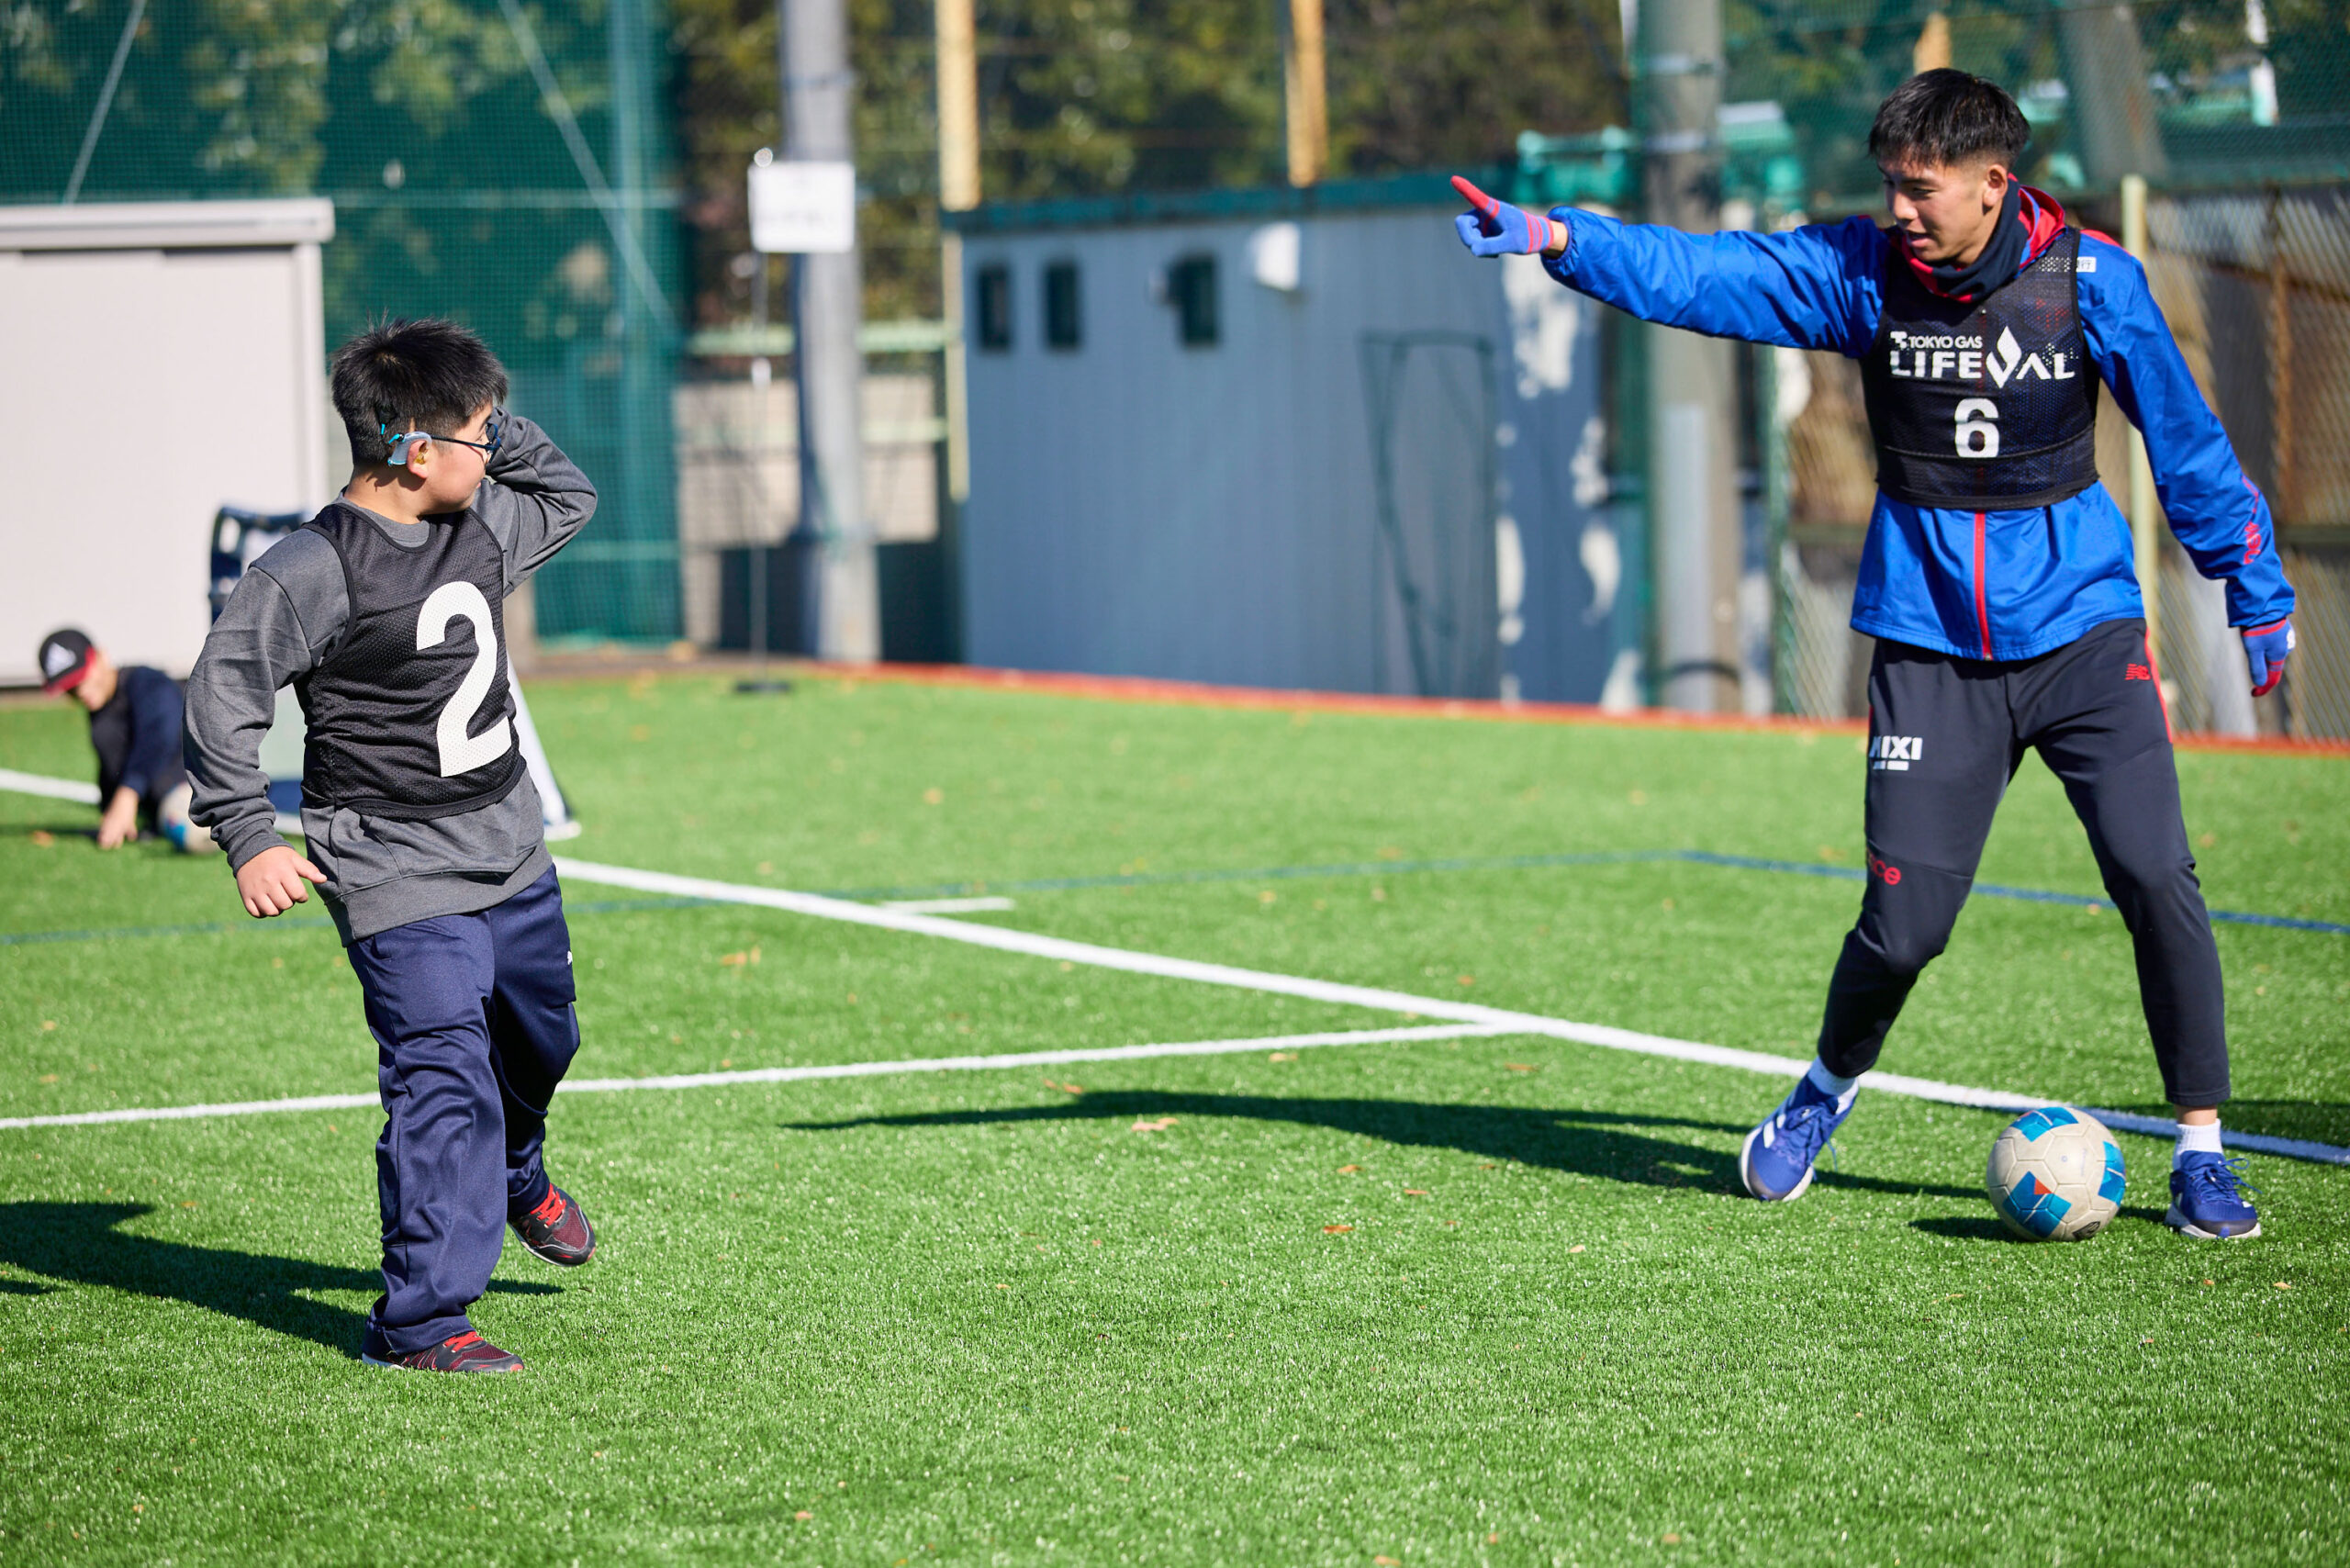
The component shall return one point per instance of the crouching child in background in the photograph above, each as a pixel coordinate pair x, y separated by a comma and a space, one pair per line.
135, 729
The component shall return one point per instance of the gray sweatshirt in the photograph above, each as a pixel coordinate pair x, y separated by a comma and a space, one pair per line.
283, 619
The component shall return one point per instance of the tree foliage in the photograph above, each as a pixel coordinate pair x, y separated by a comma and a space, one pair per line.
1082, 97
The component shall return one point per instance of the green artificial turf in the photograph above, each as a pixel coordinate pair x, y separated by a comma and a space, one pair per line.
1467, 1301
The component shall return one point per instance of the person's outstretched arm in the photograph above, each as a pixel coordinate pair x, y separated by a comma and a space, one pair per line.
534, 500
2218, 515
1819, 286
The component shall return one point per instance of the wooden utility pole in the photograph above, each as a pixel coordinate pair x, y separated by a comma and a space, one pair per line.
1304, 92
1931, 52
2145, 512
959, 191
2284, 492
958, 106
818, 92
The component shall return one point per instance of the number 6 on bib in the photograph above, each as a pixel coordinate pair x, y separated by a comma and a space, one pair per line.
1977, 435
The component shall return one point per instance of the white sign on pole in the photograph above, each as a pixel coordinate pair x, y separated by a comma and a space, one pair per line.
801, 208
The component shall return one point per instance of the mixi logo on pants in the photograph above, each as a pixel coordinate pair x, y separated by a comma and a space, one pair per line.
1894, 754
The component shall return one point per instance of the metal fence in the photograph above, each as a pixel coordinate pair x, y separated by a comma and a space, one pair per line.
745, 581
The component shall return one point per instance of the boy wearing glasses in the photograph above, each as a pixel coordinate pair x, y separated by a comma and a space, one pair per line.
384, 613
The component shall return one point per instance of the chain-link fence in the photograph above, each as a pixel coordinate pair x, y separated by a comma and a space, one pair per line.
2203, 94
501, 163
2257, 289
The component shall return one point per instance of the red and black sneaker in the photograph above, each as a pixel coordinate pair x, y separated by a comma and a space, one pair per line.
466, 1352
556, 1230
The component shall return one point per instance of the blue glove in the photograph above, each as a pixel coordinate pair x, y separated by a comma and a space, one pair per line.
2266, 648
1497, 229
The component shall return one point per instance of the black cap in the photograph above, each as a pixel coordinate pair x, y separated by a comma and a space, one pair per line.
65, 660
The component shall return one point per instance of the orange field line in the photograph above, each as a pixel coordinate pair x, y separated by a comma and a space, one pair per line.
1201, 694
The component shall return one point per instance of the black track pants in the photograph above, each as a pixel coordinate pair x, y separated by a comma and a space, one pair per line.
1945, 735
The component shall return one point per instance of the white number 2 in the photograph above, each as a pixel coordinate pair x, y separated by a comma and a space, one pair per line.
1978, 436
460, 752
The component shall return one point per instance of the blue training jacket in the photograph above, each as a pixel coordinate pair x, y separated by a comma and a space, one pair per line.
2050, 573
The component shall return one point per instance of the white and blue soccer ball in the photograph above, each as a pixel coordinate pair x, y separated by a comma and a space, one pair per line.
2056, 1175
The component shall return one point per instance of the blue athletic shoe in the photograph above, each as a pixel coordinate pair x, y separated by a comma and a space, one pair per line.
1775, 1164
2208, 1199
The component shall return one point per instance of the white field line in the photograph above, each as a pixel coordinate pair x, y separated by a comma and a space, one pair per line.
288, 823
196, 1113
1032, 1059
800, 1074
1494, 1019
950, 906
55, 789
1488, 1020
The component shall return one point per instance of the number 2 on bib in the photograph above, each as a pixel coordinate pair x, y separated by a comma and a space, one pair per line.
461, 752
1978, 434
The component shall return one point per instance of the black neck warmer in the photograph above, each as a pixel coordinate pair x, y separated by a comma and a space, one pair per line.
2001, 258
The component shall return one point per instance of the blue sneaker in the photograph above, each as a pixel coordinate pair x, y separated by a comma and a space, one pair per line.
2208, 1199
1775, 1164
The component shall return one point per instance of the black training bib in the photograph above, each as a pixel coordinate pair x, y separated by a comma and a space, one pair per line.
1988, 405
409, 713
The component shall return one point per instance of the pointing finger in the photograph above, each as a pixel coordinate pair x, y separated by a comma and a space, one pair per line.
1475, 198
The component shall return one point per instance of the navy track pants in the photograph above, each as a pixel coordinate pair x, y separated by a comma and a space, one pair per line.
473, 1027
1945, 736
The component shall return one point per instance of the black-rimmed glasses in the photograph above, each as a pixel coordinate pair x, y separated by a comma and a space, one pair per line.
493, 437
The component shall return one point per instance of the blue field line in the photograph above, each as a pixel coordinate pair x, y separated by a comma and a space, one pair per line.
211, 927
196, 928
1260, 874
1996, 890
1251, 874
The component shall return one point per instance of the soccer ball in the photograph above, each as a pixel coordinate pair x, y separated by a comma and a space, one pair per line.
2056, 1175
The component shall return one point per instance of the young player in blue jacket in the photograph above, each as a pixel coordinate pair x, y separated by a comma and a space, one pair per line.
1997, 575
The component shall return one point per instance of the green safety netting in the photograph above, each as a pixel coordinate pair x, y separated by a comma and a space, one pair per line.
463, 186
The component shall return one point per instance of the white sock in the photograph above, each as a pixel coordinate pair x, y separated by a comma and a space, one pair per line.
2204, 1139
1827, 1082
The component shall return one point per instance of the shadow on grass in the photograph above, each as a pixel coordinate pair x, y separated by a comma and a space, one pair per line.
1987, 1228
1602, 1144
82, 1244
83, 829
1970, 1228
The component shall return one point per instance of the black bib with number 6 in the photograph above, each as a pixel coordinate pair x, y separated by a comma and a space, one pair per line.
1988, 405
410, 714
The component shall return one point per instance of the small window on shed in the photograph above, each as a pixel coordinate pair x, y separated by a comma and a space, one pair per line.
993, 288
1064, 307
1191, 285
